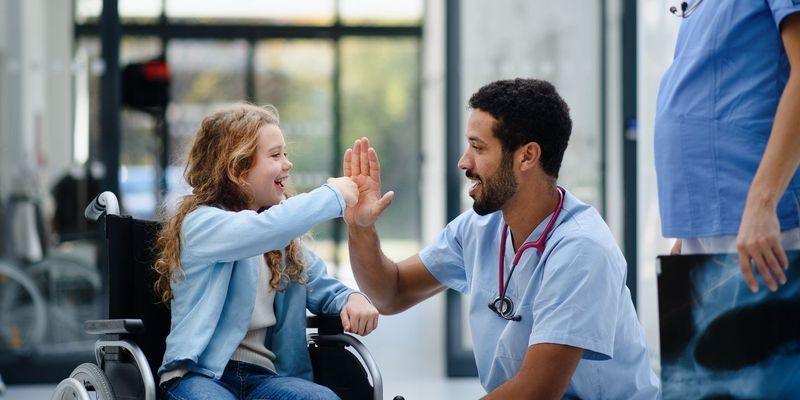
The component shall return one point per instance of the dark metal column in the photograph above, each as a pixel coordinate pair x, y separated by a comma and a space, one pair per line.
460, 361
629, 139
110, 98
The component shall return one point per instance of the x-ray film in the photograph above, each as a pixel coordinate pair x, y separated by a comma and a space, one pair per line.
721, 341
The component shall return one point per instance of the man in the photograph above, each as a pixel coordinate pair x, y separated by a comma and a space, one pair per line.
565, 324
727, 144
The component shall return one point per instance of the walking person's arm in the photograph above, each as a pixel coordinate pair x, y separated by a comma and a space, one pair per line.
759, 237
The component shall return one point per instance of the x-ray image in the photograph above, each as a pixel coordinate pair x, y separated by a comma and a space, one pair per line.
721, 341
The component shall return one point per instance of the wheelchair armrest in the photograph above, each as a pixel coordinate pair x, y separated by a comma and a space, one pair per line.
113, 326
326, 324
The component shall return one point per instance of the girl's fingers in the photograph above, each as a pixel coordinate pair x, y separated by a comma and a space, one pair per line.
345, 320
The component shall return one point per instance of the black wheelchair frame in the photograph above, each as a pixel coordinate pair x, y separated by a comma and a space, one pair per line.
133, 338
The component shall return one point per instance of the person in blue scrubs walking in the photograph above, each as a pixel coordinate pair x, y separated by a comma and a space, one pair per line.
550, 315
727, 134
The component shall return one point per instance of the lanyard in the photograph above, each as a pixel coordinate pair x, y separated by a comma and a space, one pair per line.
538, 244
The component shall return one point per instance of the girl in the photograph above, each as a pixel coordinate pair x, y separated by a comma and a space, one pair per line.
237, 278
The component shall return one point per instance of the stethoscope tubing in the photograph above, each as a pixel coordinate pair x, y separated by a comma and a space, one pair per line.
538, 244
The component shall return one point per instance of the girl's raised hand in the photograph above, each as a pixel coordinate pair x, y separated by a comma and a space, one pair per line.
359, 316
348, 188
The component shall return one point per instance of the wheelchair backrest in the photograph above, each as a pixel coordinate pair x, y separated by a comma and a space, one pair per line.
131, 254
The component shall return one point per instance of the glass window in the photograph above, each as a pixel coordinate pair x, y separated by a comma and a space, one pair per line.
296, 76
129, 10
205, 75
306, 12
381, 12
380, 100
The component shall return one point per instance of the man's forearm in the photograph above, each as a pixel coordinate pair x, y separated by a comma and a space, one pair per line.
375, 273
782, 155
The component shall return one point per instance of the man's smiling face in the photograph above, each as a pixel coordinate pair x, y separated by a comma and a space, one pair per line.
487, 165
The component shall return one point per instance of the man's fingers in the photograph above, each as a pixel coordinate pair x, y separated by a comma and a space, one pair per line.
384, 201
747, 272
355, 164
348, 158
374, 165
345, 320
363, 157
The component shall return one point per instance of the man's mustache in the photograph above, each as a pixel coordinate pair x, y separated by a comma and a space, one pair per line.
472, 175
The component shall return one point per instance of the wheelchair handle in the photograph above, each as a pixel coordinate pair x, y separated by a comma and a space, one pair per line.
105, 202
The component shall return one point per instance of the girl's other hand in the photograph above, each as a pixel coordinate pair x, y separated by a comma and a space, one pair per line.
359, 316
348, 188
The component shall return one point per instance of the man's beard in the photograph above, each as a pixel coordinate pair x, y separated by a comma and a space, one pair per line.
495, 190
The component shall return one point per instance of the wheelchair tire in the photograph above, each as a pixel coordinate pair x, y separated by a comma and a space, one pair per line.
16, 286
70, 389
91, 376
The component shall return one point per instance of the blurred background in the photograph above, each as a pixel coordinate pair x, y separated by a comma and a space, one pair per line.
107, 95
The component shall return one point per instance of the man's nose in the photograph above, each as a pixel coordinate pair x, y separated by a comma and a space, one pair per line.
464, 161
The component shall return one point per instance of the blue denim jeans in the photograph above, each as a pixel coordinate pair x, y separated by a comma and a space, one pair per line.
244, 381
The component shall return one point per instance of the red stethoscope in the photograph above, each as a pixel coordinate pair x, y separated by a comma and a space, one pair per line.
502, 305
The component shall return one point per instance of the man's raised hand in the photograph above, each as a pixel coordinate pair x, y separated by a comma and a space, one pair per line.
362, 166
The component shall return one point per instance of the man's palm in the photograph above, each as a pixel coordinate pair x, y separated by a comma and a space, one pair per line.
362, 166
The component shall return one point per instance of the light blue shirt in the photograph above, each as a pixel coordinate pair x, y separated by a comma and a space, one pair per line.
214, 299
714, 114
573, 294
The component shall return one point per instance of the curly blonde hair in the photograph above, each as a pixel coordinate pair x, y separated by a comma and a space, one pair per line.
222, 154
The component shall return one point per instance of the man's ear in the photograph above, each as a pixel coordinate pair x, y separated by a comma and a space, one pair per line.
529, 155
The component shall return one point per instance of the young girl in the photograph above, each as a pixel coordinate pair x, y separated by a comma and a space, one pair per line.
237, 278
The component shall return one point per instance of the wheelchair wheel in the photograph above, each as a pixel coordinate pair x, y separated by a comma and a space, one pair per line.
72, 287
92, 377
22, 310
70, 389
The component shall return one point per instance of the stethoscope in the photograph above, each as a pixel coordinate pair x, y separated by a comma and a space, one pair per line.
502, 305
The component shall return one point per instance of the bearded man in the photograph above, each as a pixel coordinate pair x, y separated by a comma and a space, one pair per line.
549, 311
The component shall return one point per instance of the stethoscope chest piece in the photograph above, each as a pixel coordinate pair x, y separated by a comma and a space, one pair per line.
503, 306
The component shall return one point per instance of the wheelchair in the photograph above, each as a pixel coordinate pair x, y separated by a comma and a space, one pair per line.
132, 341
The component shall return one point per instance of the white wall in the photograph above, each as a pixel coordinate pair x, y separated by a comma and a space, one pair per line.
548, 40
657, 32
35, 93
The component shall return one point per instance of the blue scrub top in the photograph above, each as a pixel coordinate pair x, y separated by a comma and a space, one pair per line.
714, 113
573, 294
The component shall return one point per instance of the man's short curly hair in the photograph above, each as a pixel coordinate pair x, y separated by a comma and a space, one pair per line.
527, 110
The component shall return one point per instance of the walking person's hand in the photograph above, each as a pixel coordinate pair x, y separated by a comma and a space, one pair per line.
759, 243
362, 166
676, 248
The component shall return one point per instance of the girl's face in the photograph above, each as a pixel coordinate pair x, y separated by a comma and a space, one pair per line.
270, 170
